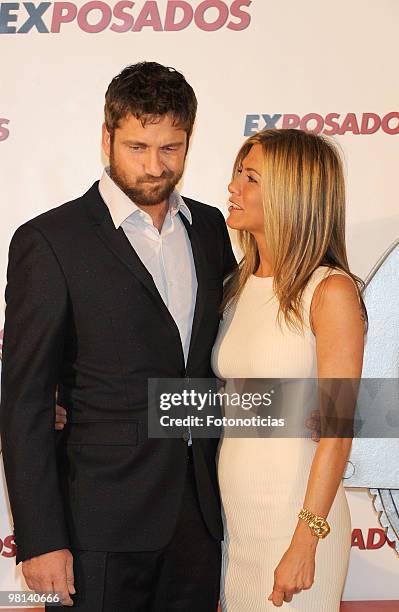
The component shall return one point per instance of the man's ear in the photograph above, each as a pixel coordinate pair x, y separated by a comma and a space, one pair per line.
106, 140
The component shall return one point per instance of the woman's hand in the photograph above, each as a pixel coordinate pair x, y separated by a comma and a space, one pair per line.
60, 417
294, 573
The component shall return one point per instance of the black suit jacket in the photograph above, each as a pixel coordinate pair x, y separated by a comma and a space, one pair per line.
83, 315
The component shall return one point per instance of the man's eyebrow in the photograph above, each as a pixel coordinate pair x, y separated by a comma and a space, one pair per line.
135, 142
174, 144
145, 144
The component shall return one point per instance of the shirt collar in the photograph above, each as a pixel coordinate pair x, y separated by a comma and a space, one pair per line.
121, 207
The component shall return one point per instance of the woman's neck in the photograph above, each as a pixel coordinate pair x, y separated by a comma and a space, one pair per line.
265, 267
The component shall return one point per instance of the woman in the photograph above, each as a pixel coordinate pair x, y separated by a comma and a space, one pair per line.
292, 310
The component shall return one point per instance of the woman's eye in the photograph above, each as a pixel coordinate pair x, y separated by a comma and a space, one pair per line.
239, 170
251, 179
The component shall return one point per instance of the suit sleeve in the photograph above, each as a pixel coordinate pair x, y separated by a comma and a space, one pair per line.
229, 260
36, 309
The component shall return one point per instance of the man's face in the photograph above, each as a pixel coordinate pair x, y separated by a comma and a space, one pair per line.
146, 162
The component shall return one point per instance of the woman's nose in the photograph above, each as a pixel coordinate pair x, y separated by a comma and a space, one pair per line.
233, 186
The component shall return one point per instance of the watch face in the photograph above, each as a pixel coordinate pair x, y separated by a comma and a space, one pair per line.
320, 527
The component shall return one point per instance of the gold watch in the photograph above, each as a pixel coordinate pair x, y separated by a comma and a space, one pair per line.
318, 525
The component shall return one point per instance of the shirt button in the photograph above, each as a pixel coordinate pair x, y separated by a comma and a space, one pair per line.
186, 436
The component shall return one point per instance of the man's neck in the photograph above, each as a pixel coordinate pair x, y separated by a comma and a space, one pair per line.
157, 213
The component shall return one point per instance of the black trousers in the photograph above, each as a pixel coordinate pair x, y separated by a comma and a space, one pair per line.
184, 576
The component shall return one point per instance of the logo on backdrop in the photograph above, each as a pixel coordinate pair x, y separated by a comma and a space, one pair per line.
7, 547
332, 124
125, 16
374, 539
4, 131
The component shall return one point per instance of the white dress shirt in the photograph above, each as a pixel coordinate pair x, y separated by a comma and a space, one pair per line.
167, 254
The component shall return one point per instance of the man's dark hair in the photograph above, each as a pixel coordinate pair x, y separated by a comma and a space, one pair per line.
148, 90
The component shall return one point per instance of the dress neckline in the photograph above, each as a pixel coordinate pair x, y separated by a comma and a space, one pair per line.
262, 278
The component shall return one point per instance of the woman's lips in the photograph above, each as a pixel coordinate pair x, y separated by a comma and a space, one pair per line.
234, 207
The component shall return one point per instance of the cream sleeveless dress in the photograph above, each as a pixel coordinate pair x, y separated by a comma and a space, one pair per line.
263, 481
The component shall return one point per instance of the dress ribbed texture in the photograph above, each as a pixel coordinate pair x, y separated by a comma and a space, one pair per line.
263, 481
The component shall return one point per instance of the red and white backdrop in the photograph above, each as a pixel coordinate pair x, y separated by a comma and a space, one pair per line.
322, 66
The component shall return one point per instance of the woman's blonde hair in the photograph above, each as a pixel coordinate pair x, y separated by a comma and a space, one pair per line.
303, 191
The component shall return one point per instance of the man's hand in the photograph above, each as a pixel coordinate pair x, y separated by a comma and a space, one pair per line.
51, 573
313, 423
60, 417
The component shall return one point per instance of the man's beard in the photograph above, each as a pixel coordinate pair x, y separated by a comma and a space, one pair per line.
148, 190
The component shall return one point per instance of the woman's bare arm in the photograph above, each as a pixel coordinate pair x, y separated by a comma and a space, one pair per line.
338, 324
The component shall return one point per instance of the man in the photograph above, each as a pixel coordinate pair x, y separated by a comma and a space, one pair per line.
121, 285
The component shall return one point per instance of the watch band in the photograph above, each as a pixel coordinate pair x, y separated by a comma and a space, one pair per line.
318, 525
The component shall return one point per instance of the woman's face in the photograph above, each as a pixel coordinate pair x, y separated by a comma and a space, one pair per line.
246, 210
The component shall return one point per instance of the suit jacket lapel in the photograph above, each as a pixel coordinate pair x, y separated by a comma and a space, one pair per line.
199, 262
117, 241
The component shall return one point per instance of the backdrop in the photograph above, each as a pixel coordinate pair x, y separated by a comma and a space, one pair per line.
325, 66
